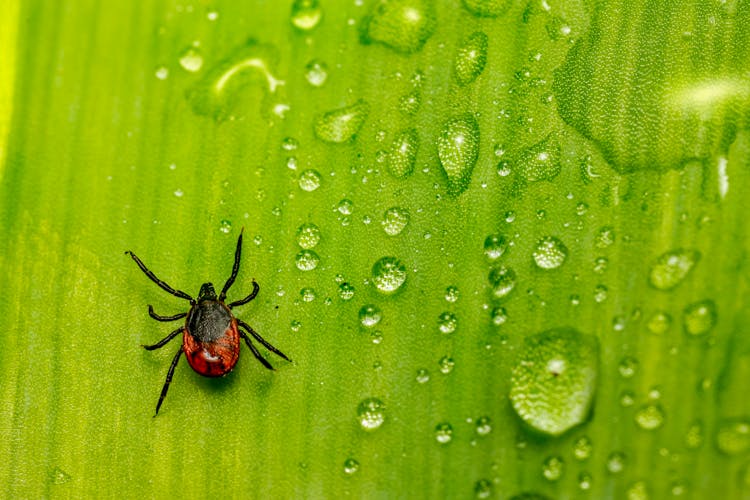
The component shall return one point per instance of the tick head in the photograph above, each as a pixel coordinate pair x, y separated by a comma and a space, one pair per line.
207, 292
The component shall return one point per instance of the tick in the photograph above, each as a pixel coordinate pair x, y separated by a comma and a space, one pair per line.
211, 333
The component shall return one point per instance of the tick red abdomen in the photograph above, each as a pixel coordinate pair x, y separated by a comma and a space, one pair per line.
214, 358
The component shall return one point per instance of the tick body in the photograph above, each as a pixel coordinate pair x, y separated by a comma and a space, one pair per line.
211, 333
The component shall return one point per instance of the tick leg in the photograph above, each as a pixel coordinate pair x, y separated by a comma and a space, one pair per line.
235, 268
164, 318
255, 352
162, 285
260, 339
256, 289
168, 381
164, 341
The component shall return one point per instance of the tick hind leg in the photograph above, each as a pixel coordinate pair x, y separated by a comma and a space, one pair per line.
162, 285
170, 373
235, 268
260, 339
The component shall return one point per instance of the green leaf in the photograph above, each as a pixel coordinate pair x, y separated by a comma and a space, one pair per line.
421, 205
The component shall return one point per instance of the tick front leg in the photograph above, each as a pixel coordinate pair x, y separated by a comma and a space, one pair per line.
168, 381
164, 341
256, 289
235, 268
158, 317
162, 284
260, 339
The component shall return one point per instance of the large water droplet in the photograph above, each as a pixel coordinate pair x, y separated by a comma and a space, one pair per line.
541, 162
395, 220
388, 274
550, 253
403, 25
403, 153
370, 315
733, 436
306, 14
487, 8
671, 268
306, 260
502, 280
650, 417
700, 317
553, 383
308, 235
309, 180
342, 124
458, 150
371, 413
471, 58
495, 246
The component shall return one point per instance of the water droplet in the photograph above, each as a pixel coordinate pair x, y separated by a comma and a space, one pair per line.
499, 316
212, 15
700, 317
59, 476
402, 25
225, 226
447, 322
627, 366
191, 59
650, 417
554, 380
616, 462
345, 207
582, 448
402, 154
550, 253
659, 323
458, 150
605, 237
541, 162
733, 436
371, 413
600, 265
178, 193
307, 294
351, 466
306, 260
483, 488
600, 293
289, 144
370, 315
502, 280
423, 376
553, 468
306, 14
446, 364
342, 124
483, 426
671, 268
162, 73
495, 246
308, 235
316, 73
637, 491
309, 180
346, 291
471, 58
443, 433
409, 103
295, 325
451, 294
388, 275
487, 8
584, 481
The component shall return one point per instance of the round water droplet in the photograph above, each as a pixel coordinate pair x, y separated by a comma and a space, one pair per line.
345, 207
308, 235
541, 162
584, 481
502, 280
447, 322
409, 103
650, 417
191, 59
483, 426
553, 468
671, 268
600, 265
458, 150
306, 14
446, 364
605, 237
309, 180
225, 226
306, 260
499, 316
370, 315
162, 73
59, 476
402, 154
388, 275
471, 58
733, 436
443, 433
402, 25
582, 448
694, 435
627, 367
423, 376
487, 8
600, 293
483, 488
451, 294
295, 325
307, 294
351, 466
395, 219
637, 491
495, 246
616, 462
346, 291
659, 323
550, 253
554, 380
316, 73
700, 317
371, 413
342, 124
289, 144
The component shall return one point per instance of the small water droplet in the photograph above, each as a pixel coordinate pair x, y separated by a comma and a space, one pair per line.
388, 275
59, 476
346, 291
370, 315
495, 246
402, 154
451, 294
443, 433
637, 491
584, 481
700, 317
423, 376
345, 207
483, 426
306, 14
502, 280
191, 59
395, 219
307, 294
659, 323
553, 468
671, 268
541, 162
371, 413
295, 325
225, 226
308, 235
306, 260
650, 417
550, 253
446, 364
409, 104
582, 448
289, 144
627, 367
483, 488
471, 58
309, 180
458, 150
600, 293
616, 462
351, 466
733, 436
162, 73
605, 237
316, 73
342, 124
447, 322
402, 25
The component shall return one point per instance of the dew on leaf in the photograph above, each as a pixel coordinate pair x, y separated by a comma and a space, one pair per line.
458, 150
342, 124
659, 323
637, 491
395, 220
451, 294
700, 317
671, 268
553, 468
370, 315
584, 481
306, 14
471, 58
733, 436
582, 448
309, 180
541, 162
502, 280
483, 425
308, 235
351, 466
191, 59
650, 417
423, 376
371, 413
402, 25
59, 476
495, 246
402, 154
550, 253
346, 291
409, 103
447, 322
316, 73
694, 435
446, 364
498, 316
443, 433
605, 237
388, 275
616, 462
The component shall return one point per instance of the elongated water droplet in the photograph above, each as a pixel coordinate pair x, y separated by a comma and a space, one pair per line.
554, 381
733, 436
306, 14
471, 58
458, 150
371, 413
487, 8
402, 25
388, 275
550, 253
502, 280
342, 124
495, 246
541, 162
403, 153
671, 268
700, 317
